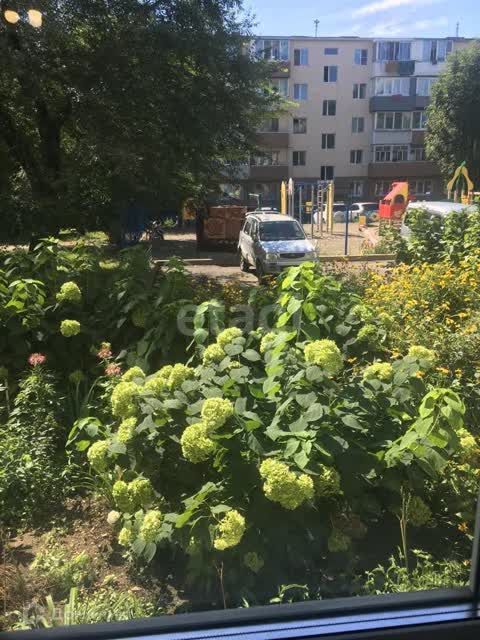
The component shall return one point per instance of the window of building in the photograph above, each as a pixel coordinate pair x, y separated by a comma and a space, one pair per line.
388, 51
382, 153
266, 159
436, 50
420, 187
329, 108
385, 120
382, 188
300, 91
392, 86
356, 156
358, 124
419, 154
272, 49
359, 91
300, 57
328, 141
299, 125
330, 73
327, 172
331, 51
271, 125
424, 86
299, 158
356, 188
280, 85
419, 120
399, 153
361, 56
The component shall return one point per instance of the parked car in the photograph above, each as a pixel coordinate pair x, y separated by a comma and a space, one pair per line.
439, 209
339, 213
368, 209
270, 242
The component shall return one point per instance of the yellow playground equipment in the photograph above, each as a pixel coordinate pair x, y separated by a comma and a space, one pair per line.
461, 186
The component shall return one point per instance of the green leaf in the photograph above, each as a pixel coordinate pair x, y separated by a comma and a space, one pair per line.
301, 459
352, 422
82, 445
314, 373
149, 551
305, 399
138, 546
314, 412
299, 425
291, 448
251, 355
220, 508
309, 310
200, 335
233, 349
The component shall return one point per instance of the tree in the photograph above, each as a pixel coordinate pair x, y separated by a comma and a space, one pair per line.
453, 129
114, 98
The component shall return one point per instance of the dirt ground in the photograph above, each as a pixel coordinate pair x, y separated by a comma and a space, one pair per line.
224, 265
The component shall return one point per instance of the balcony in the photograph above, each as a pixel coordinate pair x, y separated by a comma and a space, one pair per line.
273, 139
399, 170
394, 68
280, 68
269, 172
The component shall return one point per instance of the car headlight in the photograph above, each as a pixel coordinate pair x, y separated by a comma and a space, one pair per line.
271, 256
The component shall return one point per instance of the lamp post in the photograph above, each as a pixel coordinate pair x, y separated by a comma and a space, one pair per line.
33, 16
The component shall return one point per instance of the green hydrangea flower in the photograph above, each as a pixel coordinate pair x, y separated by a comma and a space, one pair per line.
267, 341
132, 374
338, 542
283, 486
363, 312
126, 430
113, 517
229, 531
70, 328
418, 512
122, 497
159, 381
327, 483
123, 399
151, 526
76, 377
215, 413
469, 449
196, 445
140, 317
125, 537
386, 319
380, 371
234, 364
213, 354
428, 356
325, 354
228, 336
141, 492
253, 561
69, 292
97, 454
368, 333
109, 265
178, 375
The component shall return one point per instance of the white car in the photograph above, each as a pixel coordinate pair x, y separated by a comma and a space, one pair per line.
270, 242
368, 209
439, 209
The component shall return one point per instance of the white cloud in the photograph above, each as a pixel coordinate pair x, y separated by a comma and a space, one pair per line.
385, 5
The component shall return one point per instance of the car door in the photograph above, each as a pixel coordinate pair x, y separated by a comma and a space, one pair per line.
246, 240
253, 244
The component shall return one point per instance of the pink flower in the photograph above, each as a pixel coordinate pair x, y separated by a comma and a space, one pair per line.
36, 359
105, 351
113, 370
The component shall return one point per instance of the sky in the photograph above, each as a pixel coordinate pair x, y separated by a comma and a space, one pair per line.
382, 18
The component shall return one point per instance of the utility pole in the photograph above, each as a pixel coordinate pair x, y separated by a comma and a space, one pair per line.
316, 22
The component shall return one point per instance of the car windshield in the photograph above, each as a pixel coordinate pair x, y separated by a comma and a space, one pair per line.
370, 206
282, 230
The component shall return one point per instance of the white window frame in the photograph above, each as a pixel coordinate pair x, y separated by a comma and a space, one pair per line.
298, 120
357, 89
424, 86
329, 73
329, 104
356, 188
356, 156
302, 57
418, 154
272, 49
400, 152
328, 141
391, 86
420, 187
422, 124
360, 57
280, 85
330, 51
393, 51
393, 121
382, 187
298, 155
358, 124
300, 91
382, 153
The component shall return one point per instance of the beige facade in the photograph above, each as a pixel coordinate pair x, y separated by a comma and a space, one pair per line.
357, 114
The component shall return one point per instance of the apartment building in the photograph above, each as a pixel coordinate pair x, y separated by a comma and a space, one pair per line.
358, 115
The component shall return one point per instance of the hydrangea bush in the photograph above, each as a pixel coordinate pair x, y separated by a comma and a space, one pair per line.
277, 443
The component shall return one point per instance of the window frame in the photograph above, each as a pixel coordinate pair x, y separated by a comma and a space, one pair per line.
429, 81
295, 124
300, 54
302, 91
323, 170
329, 73
360, 57
299, 157
330, 51
357, 88
326, 108
356, 156
328, 141
356, 122
389, 82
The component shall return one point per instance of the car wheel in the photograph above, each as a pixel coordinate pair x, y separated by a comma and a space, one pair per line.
244, 266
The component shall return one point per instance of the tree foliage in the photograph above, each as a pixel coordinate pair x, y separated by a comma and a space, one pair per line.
114, 98
453, 130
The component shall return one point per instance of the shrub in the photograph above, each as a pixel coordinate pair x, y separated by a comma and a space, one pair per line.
61, 571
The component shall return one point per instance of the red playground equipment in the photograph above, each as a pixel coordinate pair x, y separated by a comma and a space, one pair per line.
393, 206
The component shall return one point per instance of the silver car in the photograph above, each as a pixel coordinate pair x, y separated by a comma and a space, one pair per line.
270, 242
